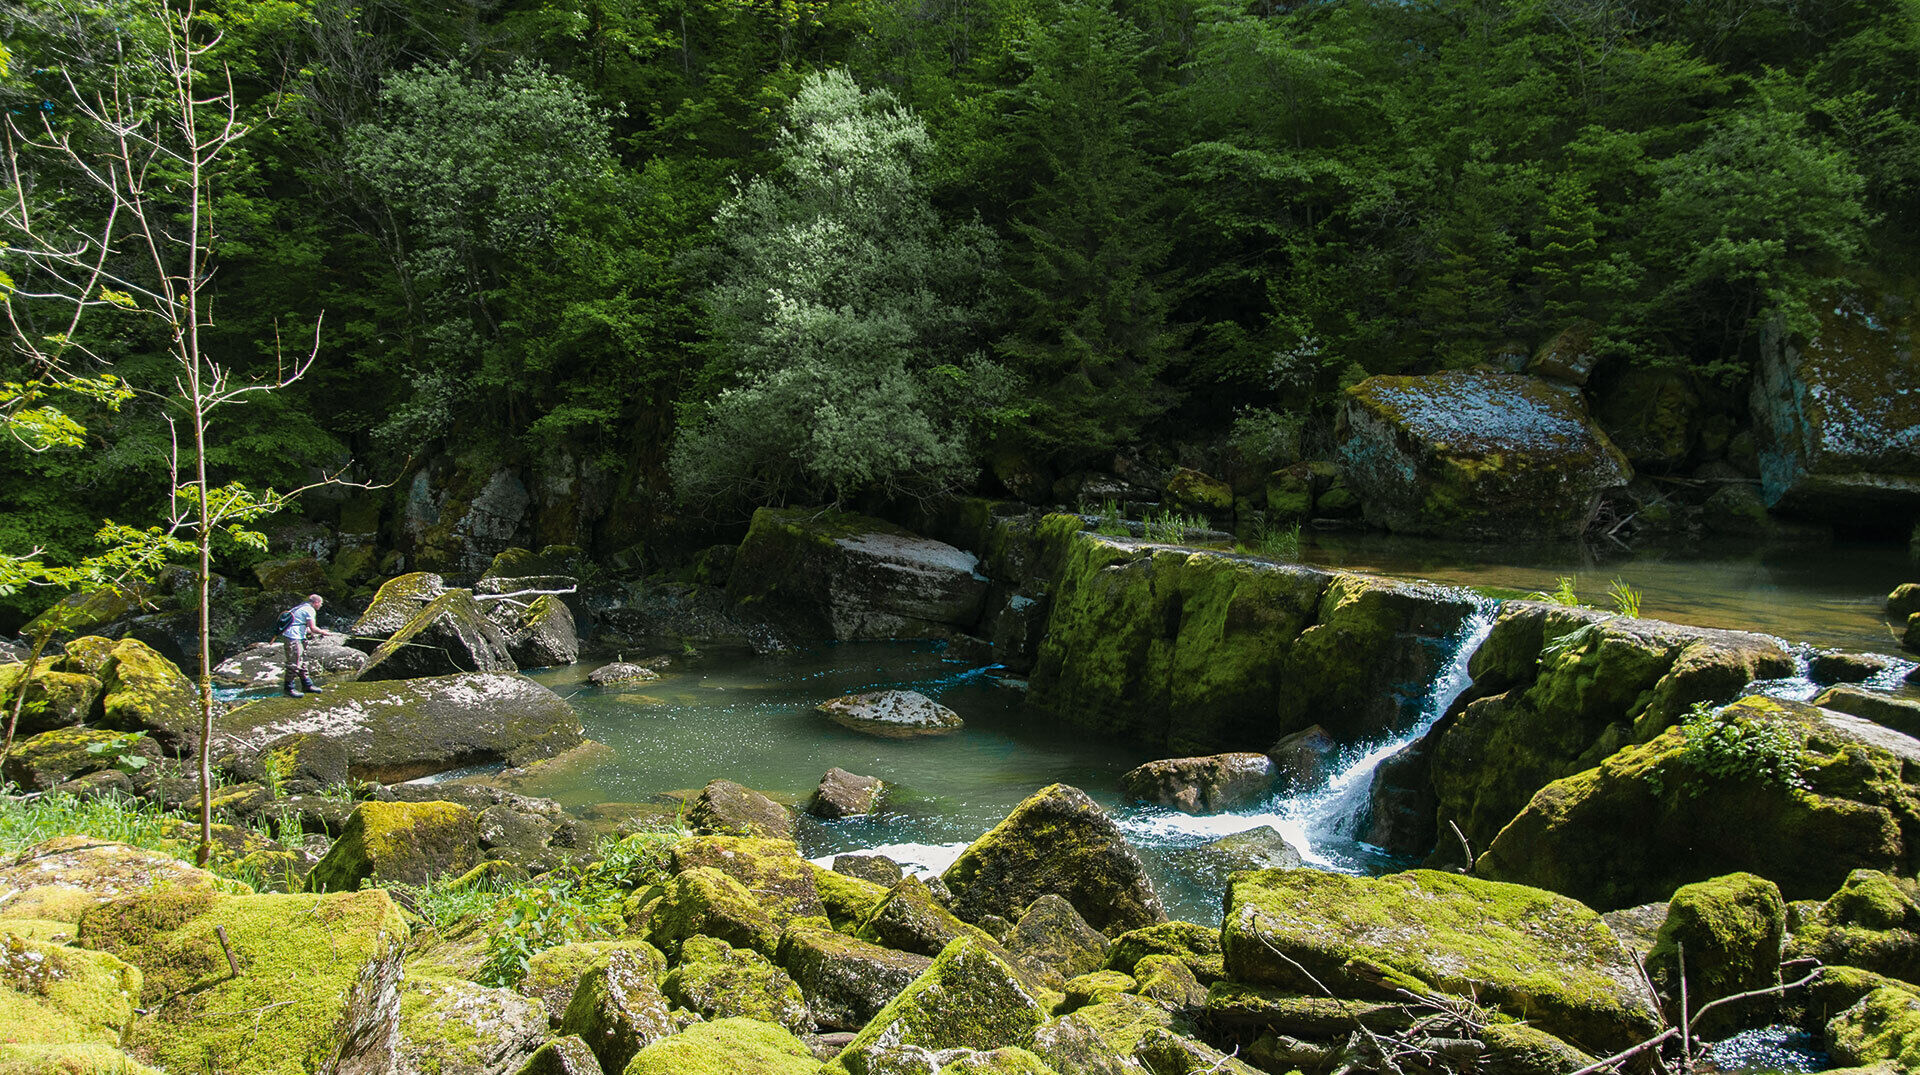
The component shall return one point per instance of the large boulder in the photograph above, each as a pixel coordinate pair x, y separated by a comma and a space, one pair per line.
1468, 454
718, 981
452, 634
1796, 794
968, 999
892, 714
145, 692
54, 994
62, 878
1872, 922
54, 757
1728, 930
554, 974
325, 971
410, 843
846, 981
782, 882
1530, 953
403, 729
1882, 1029
449, 1026
705, 902
728, 1046
1058, 841
54, 699
1837, 420
1205, 785
264, 664
729, 809
618, 1010
844, 794
541, 635
399, 599
828, 575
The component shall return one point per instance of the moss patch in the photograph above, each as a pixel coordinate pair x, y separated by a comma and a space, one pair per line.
50, 993
726, 1047
408, 842
969, 999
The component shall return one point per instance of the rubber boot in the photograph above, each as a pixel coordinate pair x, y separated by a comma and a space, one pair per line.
306, 681
291, 690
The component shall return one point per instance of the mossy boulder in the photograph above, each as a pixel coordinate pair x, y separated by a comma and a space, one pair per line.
54, 757
1009, 1060
910, 919
553, 974
1884, 1027
1730, 929
618, 1010
145, 692
846, 981
719, 981
1099, 1039
1205, 785
782, 882
1467, 454
449, 1026
1054, 942
728, 809
452, 634
1653, 817
817, 574
62, 878
1892, 711
848, 900
1837, 421
543, 634
1096, 987
1058, 841
968, 999
729, 1046
54, 699
1164, 1052
1192, 489
566, 1055
87, 611
67, 1059
704, 901
1531, 953
1170, 983
1194, 944
325, 968
410, 843
404, 729
399, 600
53, 994
1872, 922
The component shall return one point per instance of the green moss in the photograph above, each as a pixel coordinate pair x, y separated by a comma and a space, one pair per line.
409, 842
50, 993
719, 981
566, 1055
847, 900
146, 692
1872, 922
969, 998
1090, 1038
1882, 1027
56, 756
1096, 988
1170, 983
62, 878
1731, 929
705, 901
771, 869
312, 962
1197, 945
554, 973
726, 1047
85, 611
1011, 1060
54, 699
68, 1060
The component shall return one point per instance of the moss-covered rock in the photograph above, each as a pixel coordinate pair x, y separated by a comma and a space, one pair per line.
542, 635
566, 1055
1730, 929
1190, 488
911, 920
67, 1059
1872, 923
53, 994
400, 599
404, 729
86, 611
1167, 1053
405, 842
54, 699
1096, 987
1519, 1049
969, 998
1009, 1060
782, 882
718, 981
145, 692
704, 901
62, 878
326, 969
1170, 983
1099, 1039
618, 1010
1651, 818
848, 900
1194, 944
449, 1026
1884, 1027
726, 1047
1891, 711
1246, 1013
61, 754
451, 635
1054, 942
553, 974
846, 981
724, 808
1057, 841
1531, 953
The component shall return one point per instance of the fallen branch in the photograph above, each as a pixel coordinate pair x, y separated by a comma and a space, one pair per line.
1465, 847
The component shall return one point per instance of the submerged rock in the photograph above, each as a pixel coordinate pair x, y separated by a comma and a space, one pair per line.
1477, 455
1208, 785
1834, 666
893, 714
621, 672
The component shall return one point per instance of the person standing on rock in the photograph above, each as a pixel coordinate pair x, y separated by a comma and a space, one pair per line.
301, 622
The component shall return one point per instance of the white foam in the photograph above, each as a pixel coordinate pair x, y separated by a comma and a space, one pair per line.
921, 860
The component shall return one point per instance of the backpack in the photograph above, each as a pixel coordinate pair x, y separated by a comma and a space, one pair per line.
285, 621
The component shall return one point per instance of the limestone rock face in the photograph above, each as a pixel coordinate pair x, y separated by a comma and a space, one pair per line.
892, 714
1525, 951
452, 634
1836, 417
1476, 455
1057, 841
826, 575
1206, 785
402, 729
1650, 818
405, 842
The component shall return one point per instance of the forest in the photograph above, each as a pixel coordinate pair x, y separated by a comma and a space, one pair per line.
744, 252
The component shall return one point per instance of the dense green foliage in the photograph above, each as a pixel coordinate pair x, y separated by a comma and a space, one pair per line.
826, 247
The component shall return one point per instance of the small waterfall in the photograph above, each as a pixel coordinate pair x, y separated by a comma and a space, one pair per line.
1800, 686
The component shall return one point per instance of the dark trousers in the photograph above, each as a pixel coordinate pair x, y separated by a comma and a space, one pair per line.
296, 660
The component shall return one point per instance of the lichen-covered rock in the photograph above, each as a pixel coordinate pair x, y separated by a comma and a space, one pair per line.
1058, 841
1100, 1039
403, 729
410, 843
57, 756
1872, 922
1731, 929
782, 882
731, 1046
892, 714
53, 994
1556, 690
1097, 987
453, 1027
828, 575
1900, 714
1194, 944
1530, 953
327, 969
54, 699
62, 878
968, 999
1476, 455
264, 664
844, 794
719, 981
704, 901
452, 634
1205, 785
1884, 1027
873, 869
1054, 942
86, 611
145, 692
543, 634
1651, 818
846, 981
553, 974
399, 600
1835, 416
566, 1055
618, 1010
728, 809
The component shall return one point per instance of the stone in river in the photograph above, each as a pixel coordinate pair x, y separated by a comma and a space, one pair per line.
894, 714
844, 794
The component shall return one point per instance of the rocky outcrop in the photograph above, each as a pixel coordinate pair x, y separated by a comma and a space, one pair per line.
892, 714
1835, 415
1477, 455
1793, 793
404, 729
821, 574
1206, 785
264, 664
450, 635
1058, 841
